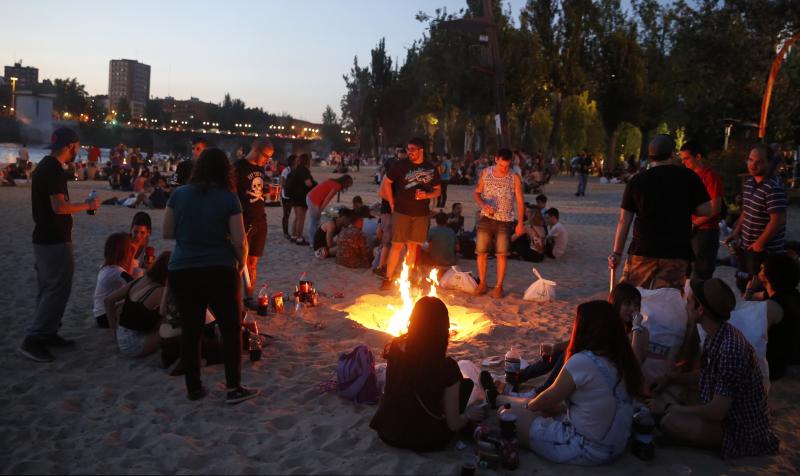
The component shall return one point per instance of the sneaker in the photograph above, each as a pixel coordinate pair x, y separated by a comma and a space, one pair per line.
58, 341
35, 350
240, 394
198, 394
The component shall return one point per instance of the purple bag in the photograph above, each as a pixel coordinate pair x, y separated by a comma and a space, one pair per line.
355, 375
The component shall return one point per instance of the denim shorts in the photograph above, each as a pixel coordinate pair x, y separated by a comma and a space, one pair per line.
495, 231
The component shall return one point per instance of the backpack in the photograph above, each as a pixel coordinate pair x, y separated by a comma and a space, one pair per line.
355, 376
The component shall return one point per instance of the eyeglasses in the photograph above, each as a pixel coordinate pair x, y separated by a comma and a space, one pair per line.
413, 149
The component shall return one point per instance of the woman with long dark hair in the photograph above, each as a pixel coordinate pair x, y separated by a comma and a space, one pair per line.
204, 217
425, 399
599, 378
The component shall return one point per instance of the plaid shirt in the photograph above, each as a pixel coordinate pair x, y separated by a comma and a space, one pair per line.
730, 370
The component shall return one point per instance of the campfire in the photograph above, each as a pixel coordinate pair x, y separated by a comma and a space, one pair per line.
390, 314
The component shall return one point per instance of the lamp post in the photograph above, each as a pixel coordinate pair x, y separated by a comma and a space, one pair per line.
13, 95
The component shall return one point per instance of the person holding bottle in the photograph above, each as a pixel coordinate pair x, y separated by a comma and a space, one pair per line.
52, 246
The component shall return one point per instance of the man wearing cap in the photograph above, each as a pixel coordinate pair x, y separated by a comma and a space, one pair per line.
733, 415
184, 170
761, 228
252, 185
52, 245
662, 199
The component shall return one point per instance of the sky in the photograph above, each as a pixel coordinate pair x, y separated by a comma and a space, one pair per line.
286, 56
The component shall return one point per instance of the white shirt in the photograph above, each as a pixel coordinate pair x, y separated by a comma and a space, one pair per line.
592, 405
370, 228
109, 279
560, 235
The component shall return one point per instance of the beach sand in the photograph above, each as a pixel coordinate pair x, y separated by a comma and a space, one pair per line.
94, 411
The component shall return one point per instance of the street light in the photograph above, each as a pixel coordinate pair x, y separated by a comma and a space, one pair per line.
13, 93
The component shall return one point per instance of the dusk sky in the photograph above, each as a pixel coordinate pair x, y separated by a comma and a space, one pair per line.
282, 55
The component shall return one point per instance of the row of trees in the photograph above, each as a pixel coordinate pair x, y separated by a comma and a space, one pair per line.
583, 73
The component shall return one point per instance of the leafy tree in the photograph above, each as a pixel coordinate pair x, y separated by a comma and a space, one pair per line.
123, 110
331, 130
71, 96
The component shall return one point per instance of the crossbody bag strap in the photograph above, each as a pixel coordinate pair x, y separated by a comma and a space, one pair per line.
430, 414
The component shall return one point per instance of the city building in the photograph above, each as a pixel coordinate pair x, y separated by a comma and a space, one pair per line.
27, 76
129, 80
35, 113
189, 110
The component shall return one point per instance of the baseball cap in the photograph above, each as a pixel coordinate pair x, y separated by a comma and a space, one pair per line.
661, 147
715, 296
62, 137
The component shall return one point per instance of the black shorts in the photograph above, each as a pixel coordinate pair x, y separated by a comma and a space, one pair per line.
256, 238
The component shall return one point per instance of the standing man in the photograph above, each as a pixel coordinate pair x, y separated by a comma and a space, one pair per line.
498, 190
705, 230
251, 185
444, 174
285, 202
184, 170
582, 169
409, 187
761, 228
52, 245
386, 212
663, 200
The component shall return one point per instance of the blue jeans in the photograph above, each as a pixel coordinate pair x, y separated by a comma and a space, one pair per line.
313, 216
582, 178
55, 266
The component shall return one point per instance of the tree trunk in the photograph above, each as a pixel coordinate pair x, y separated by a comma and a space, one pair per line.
611, 151
556, 130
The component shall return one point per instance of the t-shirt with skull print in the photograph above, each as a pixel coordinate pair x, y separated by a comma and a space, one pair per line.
407, 178
252, 186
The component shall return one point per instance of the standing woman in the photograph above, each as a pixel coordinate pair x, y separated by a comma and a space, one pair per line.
298, 184
205, 219
319, 197
285, 201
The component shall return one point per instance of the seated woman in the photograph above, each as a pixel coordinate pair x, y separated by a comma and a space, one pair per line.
324, 240
530, 246
115, 273
425, 399
598, 380
780, 275
135, 325
627, 304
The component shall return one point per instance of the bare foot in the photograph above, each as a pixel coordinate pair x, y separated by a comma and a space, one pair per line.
497, 292
481, 290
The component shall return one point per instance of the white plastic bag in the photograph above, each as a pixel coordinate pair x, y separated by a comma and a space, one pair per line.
459, 280
665, 317
542, 290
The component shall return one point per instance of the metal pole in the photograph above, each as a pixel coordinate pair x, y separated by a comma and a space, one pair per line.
776, 65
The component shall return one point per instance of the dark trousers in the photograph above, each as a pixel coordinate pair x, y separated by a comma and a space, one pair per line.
705, 245
441, 202
287, 211
540, 368
54, 268
218, 289
582, 179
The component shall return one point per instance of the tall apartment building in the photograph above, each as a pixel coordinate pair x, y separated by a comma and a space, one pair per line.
27, 77
129, 79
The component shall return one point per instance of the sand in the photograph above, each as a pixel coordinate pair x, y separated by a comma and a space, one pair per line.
94, 411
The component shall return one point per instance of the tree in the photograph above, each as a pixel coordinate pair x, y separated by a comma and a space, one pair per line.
331, 130
123, 111
70, 96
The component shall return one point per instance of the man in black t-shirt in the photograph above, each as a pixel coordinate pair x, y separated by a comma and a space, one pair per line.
252, 185
663, 200
409, 187
184, 170
52, 245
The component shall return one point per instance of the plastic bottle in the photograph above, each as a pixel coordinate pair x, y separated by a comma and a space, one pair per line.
509, 448
92, 197
512, 367
263, 300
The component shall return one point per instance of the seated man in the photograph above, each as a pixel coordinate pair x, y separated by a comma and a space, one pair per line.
733, 416
325, 237
351, 246
557, 237
455, 219
440, 248
530, 246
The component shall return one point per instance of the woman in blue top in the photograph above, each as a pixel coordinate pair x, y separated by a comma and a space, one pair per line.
204, 217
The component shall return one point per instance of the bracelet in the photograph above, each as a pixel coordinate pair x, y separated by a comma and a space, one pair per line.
636, 329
